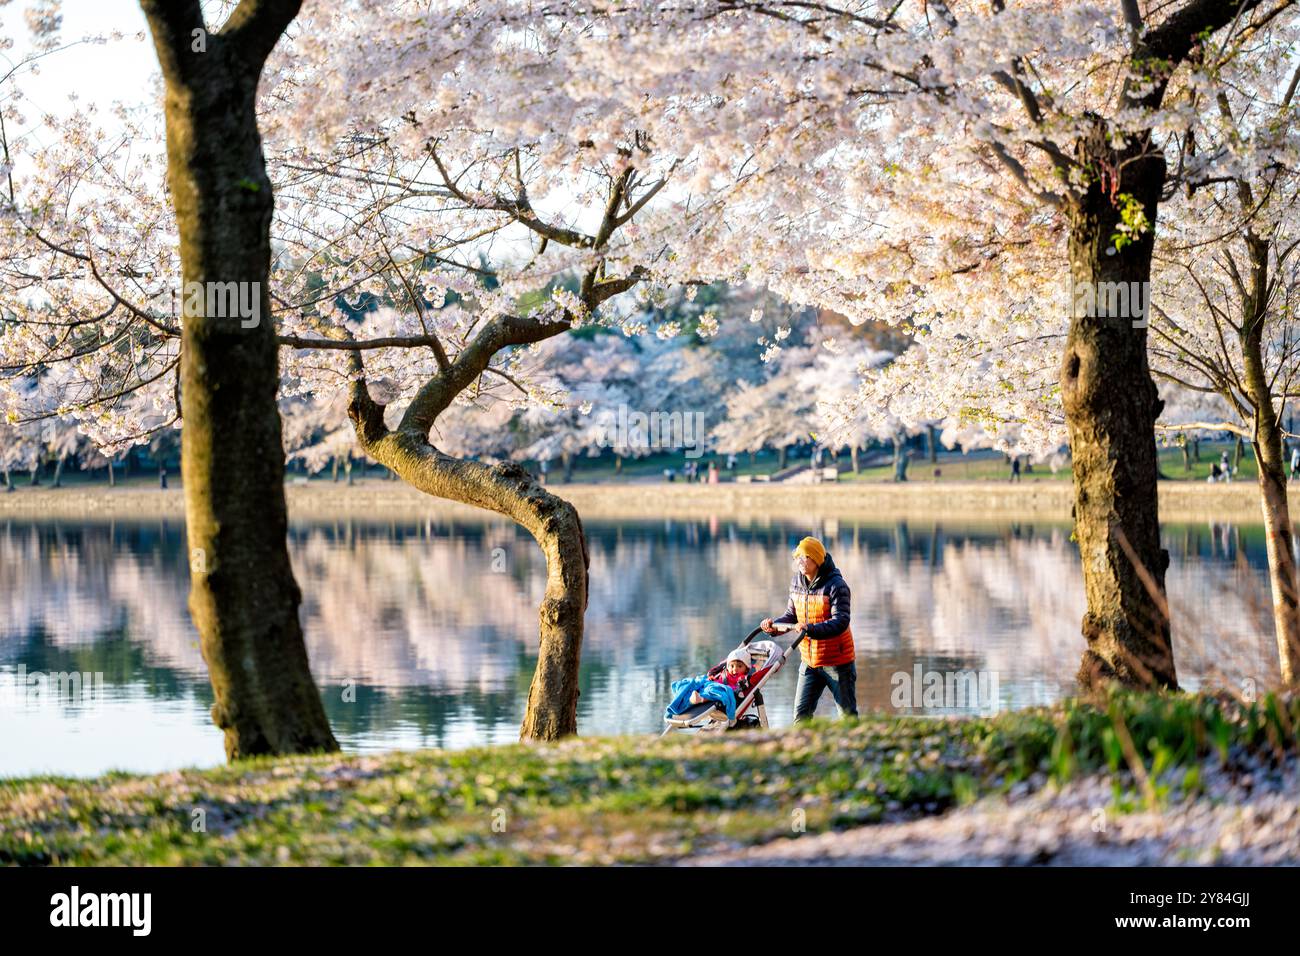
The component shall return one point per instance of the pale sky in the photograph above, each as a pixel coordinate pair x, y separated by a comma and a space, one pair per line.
124, 71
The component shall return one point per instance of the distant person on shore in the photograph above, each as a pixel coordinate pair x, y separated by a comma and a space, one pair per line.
1295, 461
1225, 467
1015, 467
819, 604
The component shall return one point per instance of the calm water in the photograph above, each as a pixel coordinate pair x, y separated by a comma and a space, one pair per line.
433, 624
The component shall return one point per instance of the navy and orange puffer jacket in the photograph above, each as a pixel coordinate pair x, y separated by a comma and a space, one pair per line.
822, 604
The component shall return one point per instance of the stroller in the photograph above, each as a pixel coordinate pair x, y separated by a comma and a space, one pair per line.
767, 658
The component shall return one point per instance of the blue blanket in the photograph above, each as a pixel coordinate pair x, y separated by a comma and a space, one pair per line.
709, 690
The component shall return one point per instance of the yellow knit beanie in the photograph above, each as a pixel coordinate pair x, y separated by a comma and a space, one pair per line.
813, 549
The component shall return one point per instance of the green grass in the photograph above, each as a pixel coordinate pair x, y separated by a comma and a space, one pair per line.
953, 466
625, 800
1171, 462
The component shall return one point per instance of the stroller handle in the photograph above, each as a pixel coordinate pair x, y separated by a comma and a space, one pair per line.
778, 628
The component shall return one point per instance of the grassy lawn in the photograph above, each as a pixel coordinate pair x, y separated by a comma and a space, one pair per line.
630, 799
952, 466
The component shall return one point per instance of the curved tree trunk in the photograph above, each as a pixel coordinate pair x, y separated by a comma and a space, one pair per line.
243, 595
510, 490
58, 472
1111, 407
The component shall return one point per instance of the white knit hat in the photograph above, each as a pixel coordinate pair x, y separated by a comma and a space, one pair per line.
739, 654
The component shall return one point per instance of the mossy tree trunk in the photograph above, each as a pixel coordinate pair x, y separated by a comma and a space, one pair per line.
243, 596
1111, 407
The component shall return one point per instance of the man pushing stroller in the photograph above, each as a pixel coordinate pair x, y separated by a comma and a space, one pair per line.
819, 604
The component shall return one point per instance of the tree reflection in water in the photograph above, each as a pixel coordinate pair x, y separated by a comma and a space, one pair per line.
422, 633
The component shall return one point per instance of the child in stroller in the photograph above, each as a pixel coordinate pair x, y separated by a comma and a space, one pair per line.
729, 695
733, 673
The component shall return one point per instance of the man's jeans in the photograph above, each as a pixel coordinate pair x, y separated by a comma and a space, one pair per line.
842, 681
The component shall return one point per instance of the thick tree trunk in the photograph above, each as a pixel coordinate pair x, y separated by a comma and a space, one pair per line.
58, 472
243, 595
931, 444
112, 478
1187, 456
566, 457
508, 489
853, 457
334, 469
1236, 454
9, 482
1111, 407
780, 461
347, 468
1196, 450
35, 475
